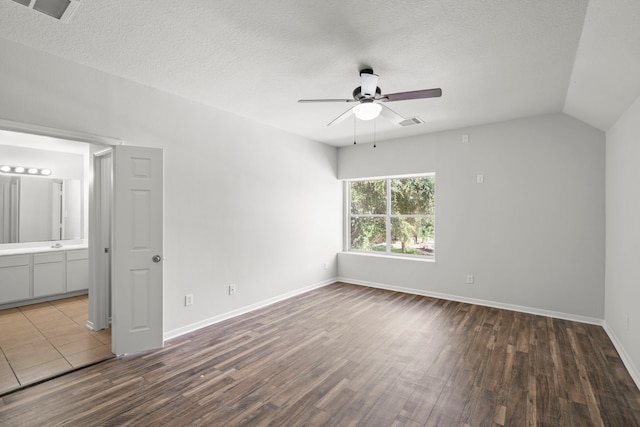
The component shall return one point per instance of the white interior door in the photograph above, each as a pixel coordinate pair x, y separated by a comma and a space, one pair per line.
137, 249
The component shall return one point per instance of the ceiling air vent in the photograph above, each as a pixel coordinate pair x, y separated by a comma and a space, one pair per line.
411, 121
58, 9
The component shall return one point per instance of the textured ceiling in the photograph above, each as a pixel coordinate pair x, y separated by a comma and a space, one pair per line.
606, 74
494, 59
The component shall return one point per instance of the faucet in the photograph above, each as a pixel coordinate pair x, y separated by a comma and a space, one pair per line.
56, 246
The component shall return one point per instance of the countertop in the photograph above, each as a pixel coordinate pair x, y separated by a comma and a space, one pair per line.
40, 249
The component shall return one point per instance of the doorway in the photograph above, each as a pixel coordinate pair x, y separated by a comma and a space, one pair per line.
43, 319
131, 185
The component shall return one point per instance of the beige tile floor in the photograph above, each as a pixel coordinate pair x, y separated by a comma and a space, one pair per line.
42, 340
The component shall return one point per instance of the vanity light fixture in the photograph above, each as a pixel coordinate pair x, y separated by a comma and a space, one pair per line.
24, 170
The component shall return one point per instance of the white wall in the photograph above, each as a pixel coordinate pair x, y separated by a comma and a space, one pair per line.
244, 203
622, 290
532, 234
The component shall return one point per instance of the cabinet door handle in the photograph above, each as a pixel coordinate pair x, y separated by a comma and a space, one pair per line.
156, 258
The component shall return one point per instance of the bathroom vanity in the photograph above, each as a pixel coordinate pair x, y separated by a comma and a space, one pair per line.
31, 275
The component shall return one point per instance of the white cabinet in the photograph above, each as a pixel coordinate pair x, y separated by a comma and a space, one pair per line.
15, 278
48, 274
45, 275
77, 270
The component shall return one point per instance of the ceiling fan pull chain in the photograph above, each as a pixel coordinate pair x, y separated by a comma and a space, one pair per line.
374, 132
354, 129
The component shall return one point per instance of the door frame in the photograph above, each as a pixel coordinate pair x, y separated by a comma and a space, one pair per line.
70, 135
99, 313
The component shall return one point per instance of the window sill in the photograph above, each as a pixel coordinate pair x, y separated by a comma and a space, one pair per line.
389, 256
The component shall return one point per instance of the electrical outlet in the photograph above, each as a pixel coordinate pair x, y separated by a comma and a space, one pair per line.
232, 289
480, 179
465, 138
470, 279
188, 300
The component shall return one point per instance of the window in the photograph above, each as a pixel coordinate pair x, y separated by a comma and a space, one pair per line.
393, 215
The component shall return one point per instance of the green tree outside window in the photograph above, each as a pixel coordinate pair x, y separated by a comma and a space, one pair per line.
393, 215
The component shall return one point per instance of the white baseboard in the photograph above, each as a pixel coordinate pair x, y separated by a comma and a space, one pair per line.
628, 363
246, 309
494, 304
626, 360
90, 325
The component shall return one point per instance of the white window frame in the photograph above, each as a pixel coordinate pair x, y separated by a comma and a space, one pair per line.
388, 217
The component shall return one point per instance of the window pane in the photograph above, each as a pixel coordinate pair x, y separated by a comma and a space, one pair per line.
413, 196
368, 234
414, 236
369, 197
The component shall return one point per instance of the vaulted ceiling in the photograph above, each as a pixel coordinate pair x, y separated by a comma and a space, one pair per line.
494, 60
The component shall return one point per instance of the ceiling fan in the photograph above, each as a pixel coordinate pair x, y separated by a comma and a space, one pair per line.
370, 98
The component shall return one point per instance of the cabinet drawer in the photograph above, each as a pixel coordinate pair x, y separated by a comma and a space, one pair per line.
79, 254
14, 260
48, 257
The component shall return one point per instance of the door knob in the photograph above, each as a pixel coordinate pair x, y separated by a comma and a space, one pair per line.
156, 258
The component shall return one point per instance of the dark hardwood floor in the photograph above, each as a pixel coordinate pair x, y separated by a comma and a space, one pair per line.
347, 355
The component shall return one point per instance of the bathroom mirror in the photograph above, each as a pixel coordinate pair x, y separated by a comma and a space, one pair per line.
37, 209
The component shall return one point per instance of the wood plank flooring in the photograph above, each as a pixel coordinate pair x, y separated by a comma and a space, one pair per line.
347, 355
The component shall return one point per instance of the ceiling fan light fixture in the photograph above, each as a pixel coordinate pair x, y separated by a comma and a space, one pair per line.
367, 110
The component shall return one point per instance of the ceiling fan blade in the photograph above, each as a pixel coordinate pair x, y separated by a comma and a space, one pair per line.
391, 115
325, 100
416, 94
341, 117
368, 84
